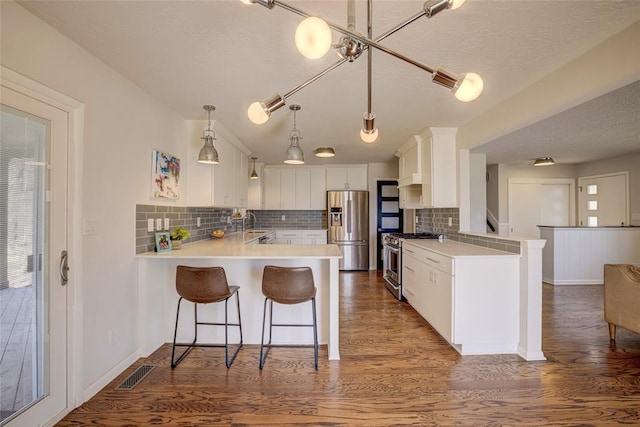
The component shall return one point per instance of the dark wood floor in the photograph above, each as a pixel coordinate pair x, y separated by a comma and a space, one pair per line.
395, 370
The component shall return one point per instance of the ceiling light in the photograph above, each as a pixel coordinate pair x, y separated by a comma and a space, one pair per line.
324, 152
312, 31
544, 161
208, 153
369, 132
259, 112
294, 154
254, 174
313, 38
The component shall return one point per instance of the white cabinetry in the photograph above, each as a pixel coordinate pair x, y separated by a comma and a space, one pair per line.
294, 188
427, 170
469, 297
301, 237
347, 177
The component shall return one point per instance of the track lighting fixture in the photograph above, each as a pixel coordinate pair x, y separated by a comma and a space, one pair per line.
208, 153
313, 36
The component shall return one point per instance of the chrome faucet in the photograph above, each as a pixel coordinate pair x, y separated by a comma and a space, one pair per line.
250, 214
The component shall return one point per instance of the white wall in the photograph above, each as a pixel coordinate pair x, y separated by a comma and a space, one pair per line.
123, 124
478, 190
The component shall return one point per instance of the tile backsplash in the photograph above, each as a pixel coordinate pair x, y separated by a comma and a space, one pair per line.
214, 218
437, 221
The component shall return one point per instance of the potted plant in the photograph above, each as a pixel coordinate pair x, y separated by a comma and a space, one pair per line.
178, 235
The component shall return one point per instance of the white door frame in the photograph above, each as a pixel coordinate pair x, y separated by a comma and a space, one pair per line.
581, 194
567, 181
75, 111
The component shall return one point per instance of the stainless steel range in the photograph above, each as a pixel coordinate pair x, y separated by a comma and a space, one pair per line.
392, 259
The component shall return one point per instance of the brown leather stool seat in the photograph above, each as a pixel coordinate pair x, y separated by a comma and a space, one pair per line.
204, 285
287, 285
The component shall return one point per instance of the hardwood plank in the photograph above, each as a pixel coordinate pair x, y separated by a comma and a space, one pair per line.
395, 370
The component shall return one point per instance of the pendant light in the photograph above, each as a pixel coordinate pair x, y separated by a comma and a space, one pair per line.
254, 174
544, 161
208, 154
294, 154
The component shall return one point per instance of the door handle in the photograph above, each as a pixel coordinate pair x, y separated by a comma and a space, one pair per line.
64, 267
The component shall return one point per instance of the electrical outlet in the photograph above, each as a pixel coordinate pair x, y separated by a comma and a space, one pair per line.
416, 219
158, 224
166, 223
150, 224
228, 219
450, 221
284, 217
198, 222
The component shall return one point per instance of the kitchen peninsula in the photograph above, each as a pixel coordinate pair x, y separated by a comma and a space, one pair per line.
243, 264
576, 255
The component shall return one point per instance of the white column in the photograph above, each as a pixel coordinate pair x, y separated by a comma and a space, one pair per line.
530, 346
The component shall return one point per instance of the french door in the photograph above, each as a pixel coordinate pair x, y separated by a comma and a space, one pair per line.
33, 225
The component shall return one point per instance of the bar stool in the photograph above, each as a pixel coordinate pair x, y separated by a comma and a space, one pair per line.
287, 285
204, 285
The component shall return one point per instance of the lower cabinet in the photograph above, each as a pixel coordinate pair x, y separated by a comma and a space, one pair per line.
301, 237
471, 300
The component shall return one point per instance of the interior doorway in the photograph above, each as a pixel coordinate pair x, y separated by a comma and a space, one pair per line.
389, 215
543, 201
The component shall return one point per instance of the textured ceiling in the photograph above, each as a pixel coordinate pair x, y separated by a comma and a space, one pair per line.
190, 53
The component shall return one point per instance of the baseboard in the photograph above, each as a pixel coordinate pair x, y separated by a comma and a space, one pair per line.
103, 381
530, 356
567, 282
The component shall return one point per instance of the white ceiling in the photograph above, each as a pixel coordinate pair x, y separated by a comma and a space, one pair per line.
223, 52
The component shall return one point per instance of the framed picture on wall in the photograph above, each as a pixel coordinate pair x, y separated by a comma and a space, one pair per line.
165, 177
163, 241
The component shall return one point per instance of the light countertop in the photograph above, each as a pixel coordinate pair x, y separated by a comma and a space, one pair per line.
233, 246
456, 249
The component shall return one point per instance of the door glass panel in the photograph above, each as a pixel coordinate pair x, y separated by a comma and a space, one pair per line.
592, 221
592, 189
390, 207
592, 205
23, 215
389, 191
390, 222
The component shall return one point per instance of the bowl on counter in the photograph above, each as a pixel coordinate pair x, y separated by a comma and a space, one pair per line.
217, 234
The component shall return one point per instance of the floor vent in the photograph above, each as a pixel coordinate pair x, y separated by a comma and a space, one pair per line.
134, 379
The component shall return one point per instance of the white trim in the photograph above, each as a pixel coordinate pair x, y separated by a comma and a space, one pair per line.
75, 111
104, 380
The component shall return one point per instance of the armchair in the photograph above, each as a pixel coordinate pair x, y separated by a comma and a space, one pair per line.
622, 297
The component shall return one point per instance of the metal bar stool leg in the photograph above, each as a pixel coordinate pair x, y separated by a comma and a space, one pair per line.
174, 362
263, 353
228, 361
315, 333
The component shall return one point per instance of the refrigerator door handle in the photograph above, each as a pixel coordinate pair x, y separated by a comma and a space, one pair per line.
349, 213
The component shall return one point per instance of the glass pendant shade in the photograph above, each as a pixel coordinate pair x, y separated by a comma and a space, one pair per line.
257, 113
369, 133
313, 38
470, 88
368, 136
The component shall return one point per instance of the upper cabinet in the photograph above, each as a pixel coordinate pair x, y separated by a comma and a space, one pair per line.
353, 177
294, 188
439, 168
427, 170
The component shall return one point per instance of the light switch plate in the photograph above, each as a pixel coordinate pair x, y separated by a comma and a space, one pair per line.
150, 224
158, 224
198, 222
166, 223
635, 217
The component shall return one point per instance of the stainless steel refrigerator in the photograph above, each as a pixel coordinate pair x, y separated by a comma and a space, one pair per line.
348, 216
